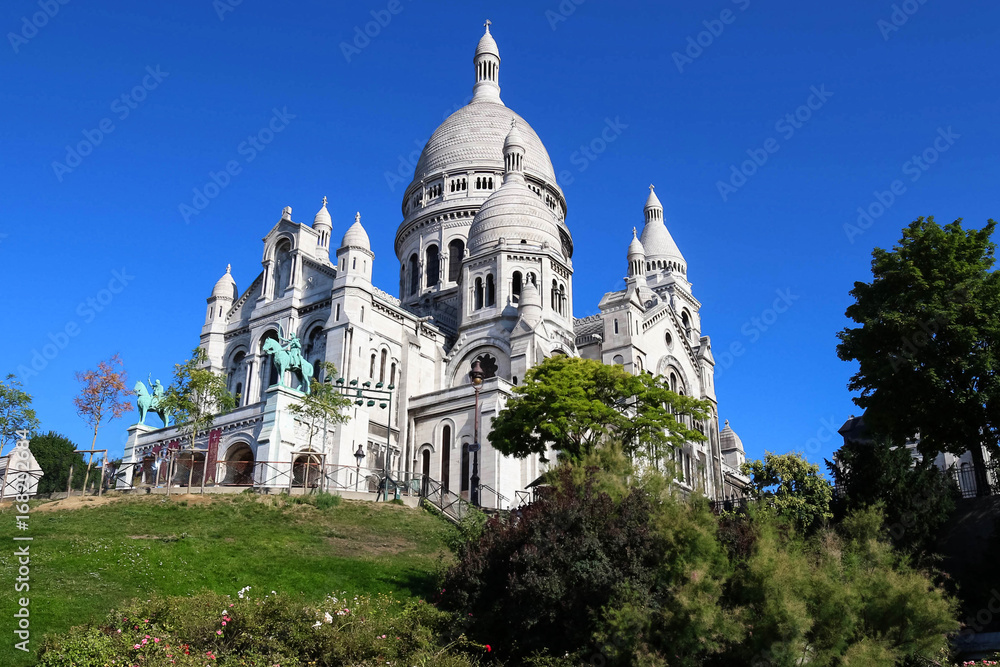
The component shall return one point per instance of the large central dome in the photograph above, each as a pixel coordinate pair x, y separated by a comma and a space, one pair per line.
473, 137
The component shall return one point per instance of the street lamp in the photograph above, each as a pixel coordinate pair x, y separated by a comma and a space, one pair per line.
359, 455
382, 397
476, 375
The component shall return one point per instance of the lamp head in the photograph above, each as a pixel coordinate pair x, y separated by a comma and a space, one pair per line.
476, 374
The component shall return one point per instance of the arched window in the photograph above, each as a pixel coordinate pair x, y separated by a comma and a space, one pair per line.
371, 369
392, 373
478, 296
445, 456
515, 286
531, 279
432, 265
554, 296
456, 250
269, 370
562, 299
491, 290
618, 360
673, 383
381, 372
686, 321
616, 326
414, 269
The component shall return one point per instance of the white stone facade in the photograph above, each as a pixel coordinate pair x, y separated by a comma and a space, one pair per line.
486, 272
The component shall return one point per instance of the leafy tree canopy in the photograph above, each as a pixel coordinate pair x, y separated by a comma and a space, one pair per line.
791, 487
576, 405
16, 413
928, 344
196, 396
916, 497
104, 395
325, 403
55, 454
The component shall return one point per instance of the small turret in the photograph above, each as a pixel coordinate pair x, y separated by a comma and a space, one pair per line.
323, 225
355, 256
636, 257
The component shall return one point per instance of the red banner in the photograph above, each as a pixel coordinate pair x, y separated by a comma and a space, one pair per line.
212, 456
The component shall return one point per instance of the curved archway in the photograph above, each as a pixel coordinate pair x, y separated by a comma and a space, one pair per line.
238, 465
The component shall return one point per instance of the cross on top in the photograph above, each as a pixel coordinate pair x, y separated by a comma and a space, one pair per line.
357, 217
488, 24
651, 187
324, 200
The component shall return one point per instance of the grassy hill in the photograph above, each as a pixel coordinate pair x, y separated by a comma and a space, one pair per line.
89, 555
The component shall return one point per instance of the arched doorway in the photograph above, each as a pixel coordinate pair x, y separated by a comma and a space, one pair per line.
189, 468
307, 471
238, 466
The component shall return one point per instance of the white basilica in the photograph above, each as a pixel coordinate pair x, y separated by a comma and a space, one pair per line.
486, 272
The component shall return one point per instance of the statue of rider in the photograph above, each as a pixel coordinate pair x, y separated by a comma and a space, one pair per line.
294, 349
156, 389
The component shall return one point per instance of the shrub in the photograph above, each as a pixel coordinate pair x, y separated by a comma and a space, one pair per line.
263, 631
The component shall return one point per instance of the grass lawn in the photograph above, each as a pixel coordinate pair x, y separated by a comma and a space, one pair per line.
90, 555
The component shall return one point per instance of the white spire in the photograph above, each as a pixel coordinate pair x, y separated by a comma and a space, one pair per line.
513, 155
487, 62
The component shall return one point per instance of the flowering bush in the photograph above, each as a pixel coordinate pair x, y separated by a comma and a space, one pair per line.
273, 630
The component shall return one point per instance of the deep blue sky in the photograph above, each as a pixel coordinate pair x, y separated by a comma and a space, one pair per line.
61, 241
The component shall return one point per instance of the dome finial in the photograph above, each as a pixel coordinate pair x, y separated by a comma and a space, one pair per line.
357, 217
229, 268
488, 24
633, 233
487, 62
324, 200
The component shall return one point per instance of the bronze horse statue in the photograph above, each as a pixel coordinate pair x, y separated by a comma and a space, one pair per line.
149, 403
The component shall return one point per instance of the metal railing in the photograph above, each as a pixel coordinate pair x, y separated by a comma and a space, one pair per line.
491, 499
451, 505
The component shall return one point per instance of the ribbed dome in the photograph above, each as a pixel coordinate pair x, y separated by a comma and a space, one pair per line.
728, 440
356, 236
635, 247
513, 213
474, 136
226, 286
659, 244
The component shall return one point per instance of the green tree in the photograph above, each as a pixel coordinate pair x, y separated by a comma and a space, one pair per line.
916, 497
576, 405
789, 486
55, 454
196, 396
16, 413
324, 405
929, 341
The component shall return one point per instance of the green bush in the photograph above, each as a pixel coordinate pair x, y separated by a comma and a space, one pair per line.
262, 631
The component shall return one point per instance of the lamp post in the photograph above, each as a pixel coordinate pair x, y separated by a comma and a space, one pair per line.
476, 375
373, 395
359, 455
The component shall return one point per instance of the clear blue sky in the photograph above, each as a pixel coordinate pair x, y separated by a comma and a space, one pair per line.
885, 93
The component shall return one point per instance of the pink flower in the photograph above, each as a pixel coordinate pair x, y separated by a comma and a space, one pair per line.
218, 632
156, 639
223, 622
136, 646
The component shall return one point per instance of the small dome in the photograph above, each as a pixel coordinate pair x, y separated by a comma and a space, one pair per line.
513, 213
635, 247
226, 286
356, 236
322, 218
530, 296
514, 138
653, 201
487, 45
728, 440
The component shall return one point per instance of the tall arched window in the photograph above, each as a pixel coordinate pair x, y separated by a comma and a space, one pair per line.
371, 369
456, 252
282, 268
686, 321
414, 268
392, 373
515, 286
269, 370
554, 296
478, 295
465, 466
491, 290
381, 372
445, 456
562, 299
432, 265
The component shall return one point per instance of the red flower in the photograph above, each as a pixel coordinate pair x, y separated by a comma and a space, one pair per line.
488, 648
